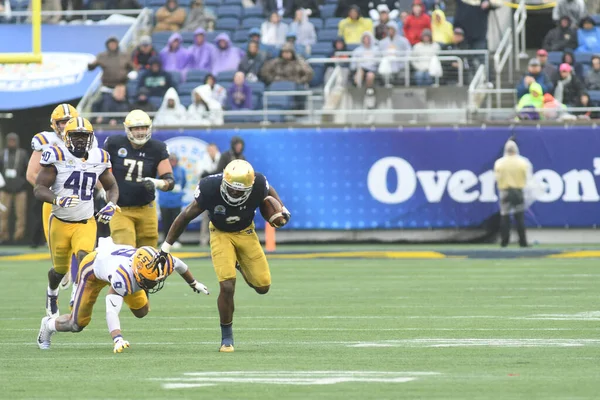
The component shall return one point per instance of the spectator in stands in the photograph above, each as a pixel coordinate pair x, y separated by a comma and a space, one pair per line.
202, 53
286, 67
424, 52
588, 36
352, 27
142, 101
344, 6
395, 44
199, 17
252, 62
14, 188
204, 110
171, 112
569, 58
530, 102
382, 20
142, 54
114, 63
472, 17
592, 79
574, 9
155, 79
554, 110
281, 7
388, 7
415, 23
561, 37
117, 103
585, 102
170, 202
569, 88
364, 72
300, 50
273, 31
332, 101
227, 57
310, 8
217, 92
123, 5
239, 95
173, 56
306, 35
549, 69
442, 30
48, 5
432, 5
534, 74
450, 68
170, 17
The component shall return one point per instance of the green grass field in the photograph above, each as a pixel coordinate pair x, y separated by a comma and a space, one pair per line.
329, 329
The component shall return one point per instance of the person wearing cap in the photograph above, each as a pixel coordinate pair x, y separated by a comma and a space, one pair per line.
442, 30
549, 69
115, 64
352, 27
512, 173
142, 54
592, 79
562, 37
415, 23
569, 87
273, 31
13, 194
588, 36
574, 9
534, 74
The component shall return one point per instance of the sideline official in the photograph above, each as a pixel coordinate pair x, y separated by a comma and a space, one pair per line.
512, 172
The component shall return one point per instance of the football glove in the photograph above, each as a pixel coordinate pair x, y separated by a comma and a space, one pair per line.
120, 344
199, 287
160, 260
156, 183
286, 215
66, 201
107, 212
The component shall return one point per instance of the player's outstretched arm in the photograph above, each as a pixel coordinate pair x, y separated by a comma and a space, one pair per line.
183, 270
286, 213
166, 181
192, 211
114, 302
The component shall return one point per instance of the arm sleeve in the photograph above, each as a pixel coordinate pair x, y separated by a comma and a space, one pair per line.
198, 196
163, 152
180, 266
263, 184
113, 308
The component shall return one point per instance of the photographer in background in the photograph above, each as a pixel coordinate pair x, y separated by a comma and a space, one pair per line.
13, 167
208, 166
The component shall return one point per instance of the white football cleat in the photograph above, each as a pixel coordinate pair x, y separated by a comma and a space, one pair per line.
45, 335
66, 281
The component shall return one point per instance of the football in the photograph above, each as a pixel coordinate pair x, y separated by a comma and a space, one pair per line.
271, 210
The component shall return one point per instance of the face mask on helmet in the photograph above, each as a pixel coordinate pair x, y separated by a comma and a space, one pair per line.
139, 134
79, 143
234, 194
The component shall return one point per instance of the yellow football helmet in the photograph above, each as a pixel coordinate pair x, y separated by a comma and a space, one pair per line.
138, 119
62, 113
149, 274
238, 180
78, 136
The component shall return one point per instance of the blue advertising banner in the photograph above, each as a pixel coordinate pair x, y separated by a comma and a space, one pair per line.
410, 178
63, 74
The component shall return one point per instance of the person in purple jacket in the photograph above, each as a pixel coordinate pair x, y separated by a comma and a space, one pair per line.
227, 57
202, 53
173, 56
239, 95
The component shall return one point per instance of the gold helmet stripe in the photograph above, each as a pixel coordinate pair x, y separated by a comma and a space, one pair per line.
80, 123
66, 109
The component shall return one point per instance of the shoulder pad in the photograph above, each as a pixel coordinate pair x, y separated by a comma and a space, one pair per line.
52, 155
39, 141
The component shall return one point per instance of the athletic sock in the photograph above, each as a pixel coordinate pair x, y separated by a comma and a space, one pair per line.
227, 334
51, 292
51, 324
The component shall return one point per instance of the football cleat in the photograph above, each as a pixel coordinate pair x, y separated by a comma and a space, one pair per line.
52, 306
66, 282
226, 348
44, 335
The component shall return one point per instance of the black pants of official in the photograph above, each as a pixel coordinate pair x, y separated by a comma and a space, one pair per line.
513, 200
168, 216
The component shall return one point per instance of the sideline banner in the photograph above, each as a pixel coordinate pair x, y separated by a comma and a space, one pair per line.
410, 178
63, 75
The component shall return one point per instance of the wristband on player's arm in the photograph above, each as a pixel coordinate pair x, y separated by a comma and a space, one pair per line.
170, 179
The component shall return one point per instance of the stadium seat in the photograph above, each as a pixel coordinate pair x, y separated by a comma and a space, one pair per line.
196, 75
184, 3
328, 10
212, 3
176, 77
318, 76
240, 119
321, 49
226, 85
132, 90
227, 24
450, 19
282, 86
254, 12
351, 47
596, 19
257, 87
584, 58
252, 22
555, 57
287, 21
332, 23
156, 101
185, 101
159, 45
272, 51
156, 3
225, 76
594, 95
328, 35
188, 37
161, 36
241, 36
317, 22
210, 36
185, 89
229, 11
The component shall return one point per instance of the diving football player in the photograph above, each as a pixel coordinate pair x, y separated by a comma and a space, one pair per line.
129, 273
137, 159
66, 181
231, 199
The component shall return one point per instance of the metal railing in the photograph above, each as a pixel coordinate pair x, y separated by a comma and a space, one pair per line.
519, 20
504, 54
143, 19
329, 85
307, 93
74, 13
